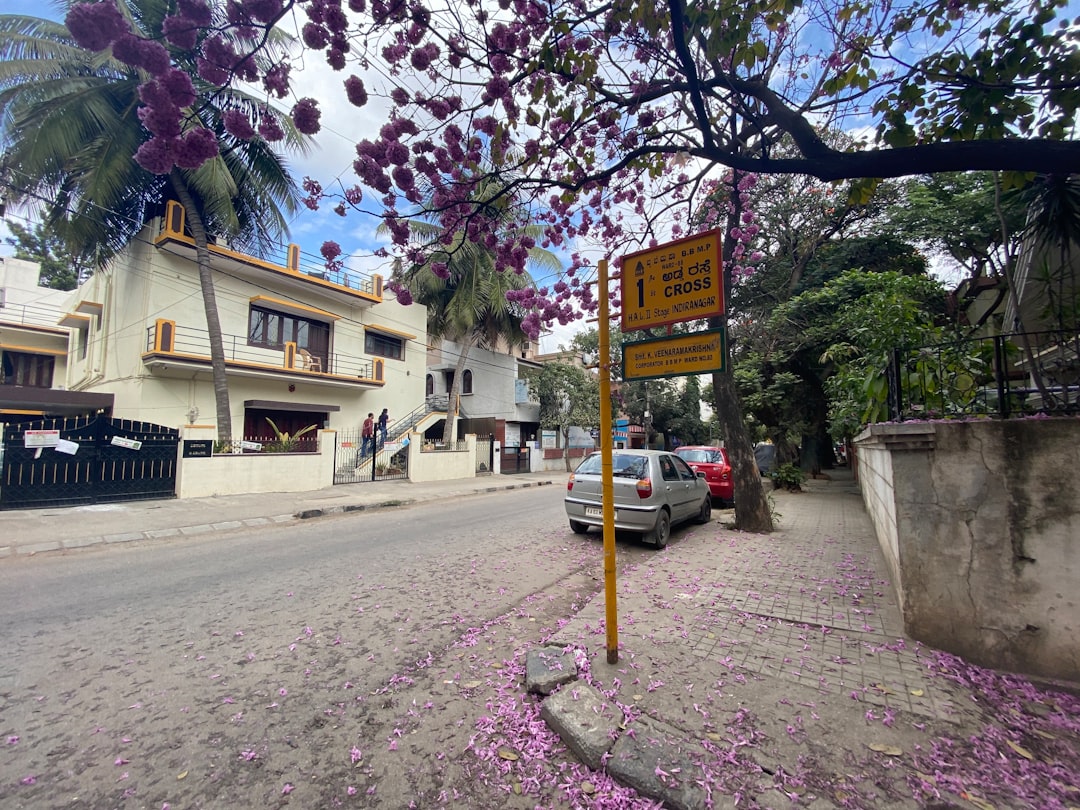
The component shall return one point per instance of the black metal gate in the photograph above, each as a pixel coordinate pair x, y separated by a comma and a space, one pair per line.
389, 462
84, 460
514, 460
485, 455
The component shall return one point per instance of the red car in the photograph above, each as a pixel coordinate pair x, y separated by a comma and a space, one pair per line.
712, 461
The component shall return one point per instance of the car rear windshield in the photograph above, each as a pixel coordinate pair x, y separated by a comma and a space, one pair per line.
623, 465
700, 456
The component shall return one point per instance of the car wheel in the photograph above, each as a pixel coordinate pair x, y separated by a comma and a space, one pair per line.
579, 528
660, 532
705, 515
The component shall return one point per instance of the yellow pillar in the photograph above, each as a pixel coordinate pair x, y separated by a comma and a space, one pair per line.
611, 608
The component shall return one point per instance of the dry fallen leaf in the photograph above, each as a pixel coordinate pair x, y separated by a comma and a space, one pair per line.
472, 684
887, 750
1044, 735
588, 788
1020, 750
926, 777
506, 753
181, 775
917, 692
712, 735
517, 788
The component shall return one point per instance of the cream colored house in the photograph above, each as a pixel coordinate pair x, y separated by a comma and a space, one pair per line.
34, 348
303, 346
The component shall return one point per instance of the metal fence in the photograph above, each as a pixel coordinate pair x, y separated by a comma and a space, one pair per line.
355, 464
1003, 376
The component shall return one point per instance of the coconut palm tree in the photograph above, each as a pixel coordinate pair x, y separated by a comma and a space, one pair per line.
69, 127
464, 293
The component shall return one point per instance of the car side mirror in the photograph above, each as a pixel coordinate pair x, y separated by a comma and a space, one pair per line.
700, 474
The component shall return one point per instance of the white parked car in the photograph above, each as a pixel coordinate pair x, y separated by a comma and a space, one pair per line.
654, 490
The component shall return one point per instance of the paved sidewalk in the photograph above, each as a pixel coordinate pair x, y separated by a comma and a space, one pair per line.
36, 531
773, 671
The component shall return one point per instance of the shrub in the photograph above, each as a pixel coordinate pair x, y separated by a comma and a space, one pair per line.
789, 477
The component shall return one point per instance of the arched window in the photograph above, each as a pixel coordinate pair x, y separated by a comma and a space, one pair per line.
429, 386
466, 382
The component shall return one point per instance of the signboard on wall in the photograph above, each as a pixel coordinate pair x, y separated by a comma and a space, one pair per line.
198, 448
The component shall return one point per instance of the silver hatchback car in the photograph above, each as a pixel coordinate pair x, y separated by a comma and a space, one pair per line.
653, 489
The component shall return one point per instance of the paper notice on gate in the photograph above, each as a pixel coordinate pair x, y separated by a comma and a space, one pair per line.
64, 446
123, 441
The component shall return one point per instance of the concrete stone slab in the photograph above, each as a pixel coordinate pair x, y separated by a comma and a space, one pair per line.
38, 548
123, 537
158, 534
82, 542
549, 667
228, 524
202, 528
654, 759
584, 719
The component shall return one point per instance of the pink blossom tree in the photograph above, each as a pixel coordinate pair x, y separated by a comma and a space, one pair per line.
615, 116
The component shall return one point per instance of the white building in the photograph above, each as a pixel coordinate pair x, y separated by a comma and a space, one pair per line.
34, 348
302, 346
495, 398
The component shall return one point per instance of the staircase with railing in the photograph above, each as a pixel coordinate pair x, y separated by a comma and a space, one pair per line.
435, 403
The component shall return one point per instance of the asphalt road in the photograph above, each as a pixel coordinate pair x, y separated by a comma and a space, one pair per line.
339, 662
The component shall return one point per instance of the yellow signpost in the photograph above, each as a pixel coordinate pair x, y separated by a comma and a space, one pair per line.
611, 613
679, 281
697, 353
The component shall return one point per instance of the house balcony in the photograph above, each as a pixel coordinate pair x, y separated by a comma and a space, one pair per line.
178, 351
304, 279
39, 317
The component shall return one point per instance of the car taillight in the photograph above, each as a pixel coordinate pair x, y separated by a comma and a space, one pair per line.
570, 483
644, 488
725, 475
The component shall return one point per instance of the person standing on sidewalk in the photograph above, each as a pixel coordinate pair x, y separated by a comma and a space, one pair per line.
368, 434
384, 417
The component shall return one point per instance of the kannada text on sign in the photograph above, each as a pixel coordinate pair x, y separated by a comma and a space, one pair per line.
679, 281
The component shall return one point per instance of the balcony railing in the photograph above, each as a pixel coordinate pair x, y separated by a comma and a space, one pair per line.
30, 314
168, 338
172, 226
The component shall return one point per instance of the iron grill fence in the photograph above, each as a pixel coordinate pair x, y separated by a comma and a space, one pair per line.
1010, 375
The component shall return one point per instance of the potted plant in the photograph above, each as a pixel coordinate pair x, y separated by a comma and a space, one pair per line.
283, 442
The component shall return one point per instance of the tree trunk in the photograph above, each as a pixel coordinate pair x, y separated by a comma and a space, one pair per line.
566, 447
752, 511
213, 323
455, 391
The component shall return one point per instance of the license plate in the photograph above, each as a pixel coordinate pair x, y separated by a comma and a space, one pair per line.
592, 511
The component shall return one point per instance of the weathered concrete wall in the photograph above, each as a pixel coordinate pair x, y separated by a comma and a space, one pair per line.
980, 523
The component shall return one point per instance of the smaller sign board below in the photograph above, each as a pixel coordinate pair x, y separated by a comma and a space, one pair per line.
677, 356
